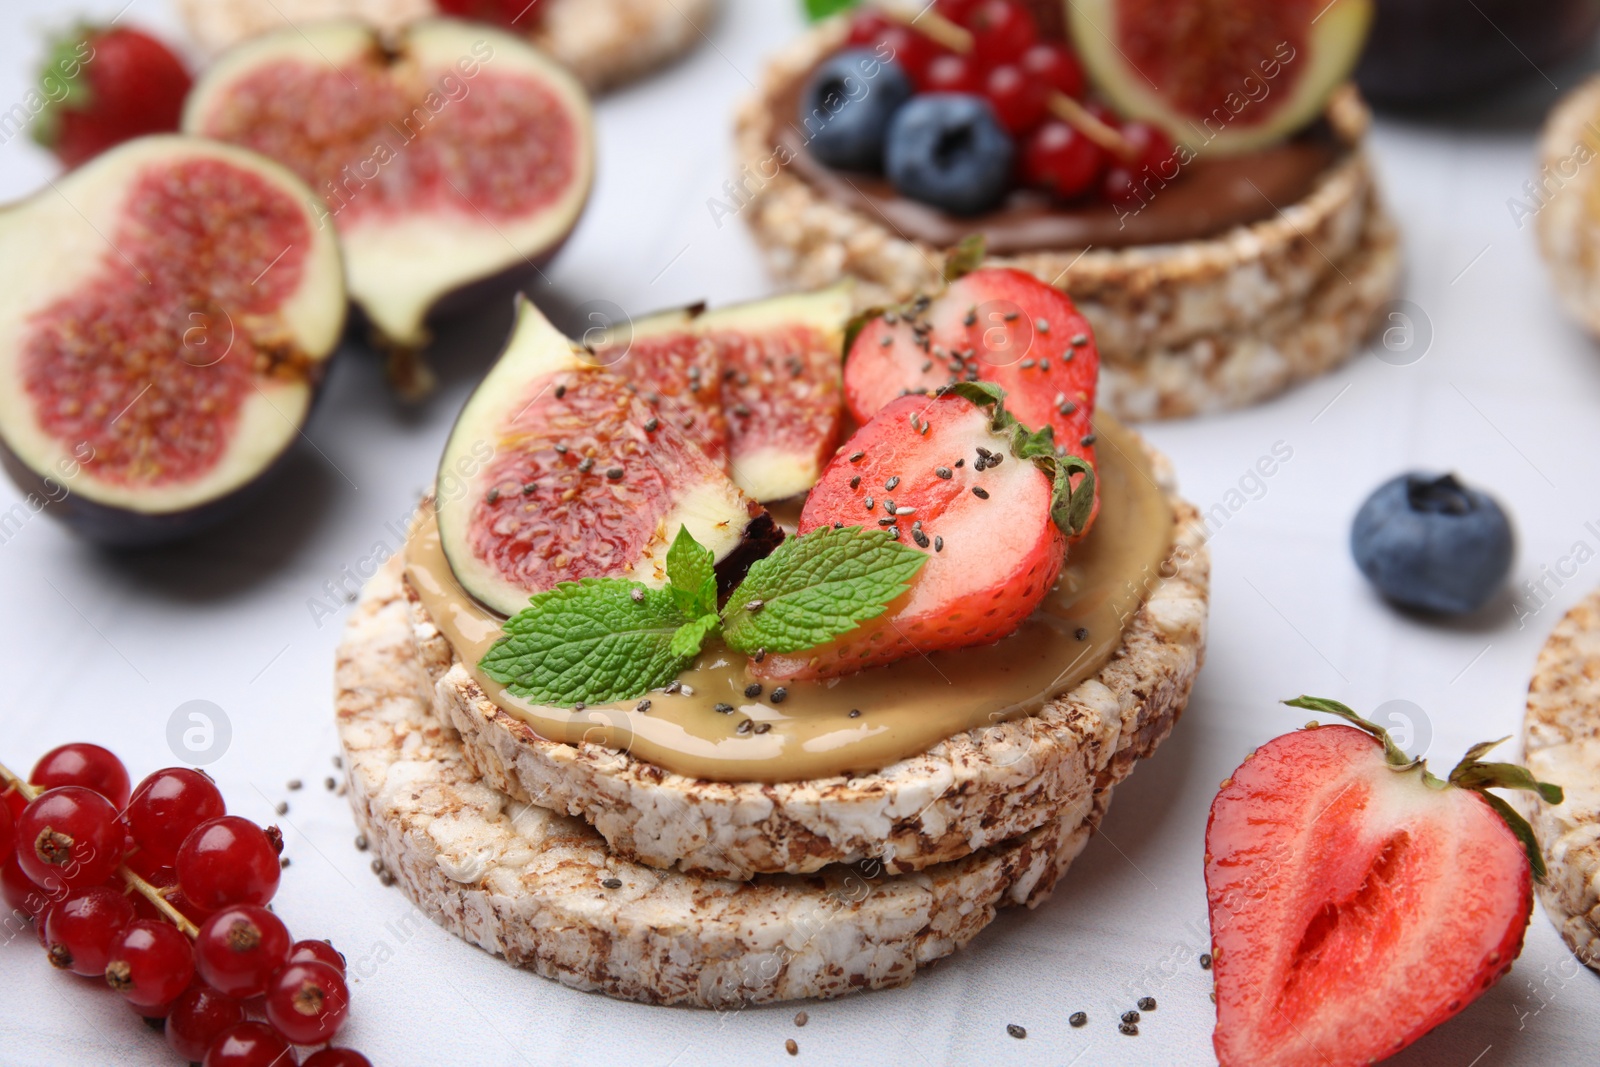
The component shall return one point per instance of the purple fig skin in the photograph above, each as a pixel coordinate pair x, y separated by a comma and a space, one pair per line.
761, 536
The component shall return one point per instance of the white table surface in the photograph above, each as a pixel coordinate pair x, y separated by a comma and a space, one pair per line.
95, 647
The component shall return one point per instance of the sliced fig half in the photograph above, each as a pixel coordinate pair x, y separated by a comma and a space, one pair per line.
453, 159
557, 471
166, 311
773, 409
1220, 76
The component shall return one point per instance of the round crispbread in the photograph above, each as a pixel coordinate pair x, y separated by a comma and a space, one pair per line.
1182, 328
545, 892
1561, 738
603, 42
969, 792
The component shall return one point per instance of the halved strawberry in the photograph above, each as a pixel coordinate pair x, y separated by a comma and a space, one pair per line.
1356, 900
987, 500
993, 325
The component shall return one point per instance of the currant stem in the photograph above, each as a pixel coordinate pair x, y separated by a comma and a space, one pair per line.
134, 882
959, 39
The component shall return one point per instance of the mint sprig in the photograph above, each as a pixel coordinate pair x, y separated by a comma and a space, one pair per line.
1070, 505
609, 639
597, 640
815, 588
1471, 773
817, 10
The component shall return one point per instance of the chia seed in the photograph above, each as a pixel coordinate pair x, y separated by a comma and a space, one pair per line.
528, 488
763, 728
972, 317
579, 706
743, 727
1147, 1003
753, 689
1080, 339
938, 544
855, 457
1078, 1019
330, 784
652, 425
1130, 1017
673, 687
1016, 1031
561, 450
980, 492
779, 695
889, 521
294, 784
1130, 1029
561, 391
1026, 364
869, 502
587, 465
920, 538
801, 1018
886, 340
612, 883
752, 607
961, 463
637, 594
1012, 316
1081, 633
494, 494
282, 808
361, 842
855, 713
642, 706
1043, 326
892, 482
855, 482
1087, 440
942, 472
1205, 961
723, 709
1044, 365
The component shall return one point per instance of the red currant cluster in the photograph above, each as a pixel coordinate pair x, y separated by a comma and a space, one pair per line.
1070, 149
164, 894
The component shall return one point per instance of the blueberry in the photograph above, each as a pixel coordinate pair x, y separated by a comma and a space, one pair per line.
846, 108
948, 150
1429, 542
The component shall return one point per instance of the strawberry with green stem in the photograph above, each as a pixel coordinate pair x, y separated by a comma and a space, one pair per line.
1358, 901
105, 85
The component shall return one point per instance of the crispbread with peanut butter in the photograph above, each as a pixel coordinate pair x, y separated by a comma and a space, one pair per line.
545, 892
966, 792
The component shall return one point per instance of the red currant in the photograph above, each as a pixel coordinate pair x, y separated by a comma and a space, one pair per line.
1018, 100
249, 1045
1059, 158
337, 1057
317, 951
308, 1002
1154, 150
198, 1015
83, 764
951, 74
1001, 31
69, 837
867, 26
1122, 186
1054, 65
228, 861
167, 806
20, 892
151, 963
80, 929
913, 51
14, 800
239, 949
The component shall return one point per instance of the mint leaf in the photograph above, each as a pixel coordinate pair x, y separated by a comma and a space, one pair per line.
817, 10
690, 636
691, 570
594, 641
815, 588
1070, 505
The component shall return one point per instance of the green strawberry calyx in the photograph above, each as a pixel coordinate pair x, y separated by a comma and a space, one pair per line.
1472, 773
